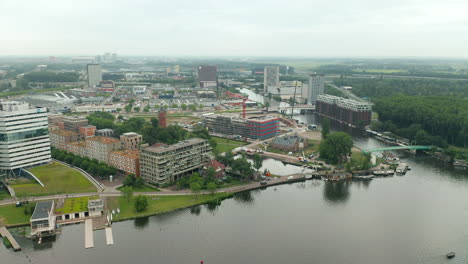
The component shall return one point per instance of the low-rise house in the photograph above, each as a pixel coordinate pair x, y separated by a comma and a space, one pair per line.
43, 219
289, 143
218, 167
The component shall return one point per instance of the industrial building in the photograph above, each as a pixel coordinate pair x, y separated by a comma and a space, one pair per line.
24, 137
258, 127
344, 110
161, 164
207, 76
316, 87
94, 72
271, 79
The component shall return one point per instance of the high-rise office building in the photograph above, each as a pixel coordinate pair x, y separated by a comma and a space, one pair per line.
24, 137
94, 74
316, 87
207, 76
271, 79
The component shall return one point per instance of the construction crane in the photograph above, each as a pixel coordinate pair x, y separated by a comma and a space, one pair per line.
243, 106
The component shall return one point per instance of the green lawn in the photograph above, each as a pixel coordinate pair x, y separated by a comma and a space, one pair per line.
4, 195
144, 188
225, 145
12, 215
162, 204
57, 178
75, 205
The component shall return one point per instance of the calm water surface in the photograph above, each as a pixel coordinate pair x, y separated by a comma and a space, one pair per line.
416, 218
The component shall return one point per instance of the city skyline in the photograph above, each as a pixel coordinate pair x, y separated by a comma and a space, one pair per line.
255, 28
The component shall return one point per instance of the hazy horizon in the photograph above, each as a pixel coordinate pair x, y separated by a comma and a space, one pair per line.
256, 28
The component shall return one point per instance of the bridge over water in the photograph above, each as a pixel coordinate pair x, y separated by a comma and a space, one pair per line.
415, 147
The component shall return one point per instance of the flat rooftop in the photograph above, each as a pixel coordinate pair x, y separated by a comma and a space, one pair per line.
104, 140
63, 132
132, 154
42, 210
184, 143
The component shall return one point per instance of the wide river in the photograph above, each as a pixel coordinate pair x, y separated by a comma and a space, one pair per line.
416, 218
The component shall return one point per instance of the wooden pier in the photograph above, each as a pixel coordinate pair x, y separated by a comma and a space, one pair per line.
109, 236
89, 238
5, 233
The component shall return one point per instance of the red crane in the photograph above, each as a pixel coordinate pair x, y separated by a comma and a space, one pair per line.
243, 106
244, 99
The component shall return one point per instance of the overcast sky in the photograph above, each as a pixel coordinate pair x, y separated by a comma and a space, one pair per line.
235, 28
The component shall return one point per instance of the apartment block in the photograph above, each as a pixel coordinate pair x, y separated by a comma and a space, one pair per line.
87, 131
130, 140
348, 111
24, 136
59, 138
258, 127
100, 147
72, 123
163, 164
316, 87
105, 132
78, 148
127, 160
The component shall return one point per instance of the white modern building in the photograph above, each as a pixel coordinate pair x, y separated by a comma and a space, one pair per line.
316, 87
271, 79
94, 74
24, 137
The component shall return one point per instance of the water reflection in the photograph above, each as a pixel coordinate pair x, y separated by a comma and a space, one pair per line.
141, 222
46, 243
336, 192
244, 197
195, 210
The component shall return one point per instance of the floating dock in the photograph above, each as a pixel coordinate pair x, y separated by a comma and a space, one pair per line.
5, 233
89, 238
109, 236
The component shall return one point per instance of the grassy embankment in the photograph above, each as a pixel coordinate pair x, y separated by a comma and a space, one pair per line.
57, 179
4, 195
161, 204
224, 144
12, 215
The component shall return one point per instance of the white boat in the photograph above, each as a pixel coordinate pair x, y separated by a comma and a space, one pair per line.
364, 177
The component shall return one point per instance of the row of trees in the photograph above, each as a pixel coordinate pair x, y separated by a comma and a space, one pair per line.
429, 120
91, 166
376, 88
150, 130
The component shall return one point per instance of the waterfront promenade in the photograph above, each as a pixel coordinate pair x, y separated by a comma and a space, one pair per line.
112, 192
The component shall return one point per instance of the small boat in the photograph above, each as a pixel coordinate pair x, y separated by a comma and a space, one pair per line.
450, 255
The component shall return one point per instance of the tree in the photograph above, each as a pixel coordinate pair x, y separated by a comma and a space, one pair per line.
257, 161
128, 108
211, 187
183, 106
325, 127
336, 147
139, 182
141, 203
136, 109
195, 187
129, 180
146, 109
127, 192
